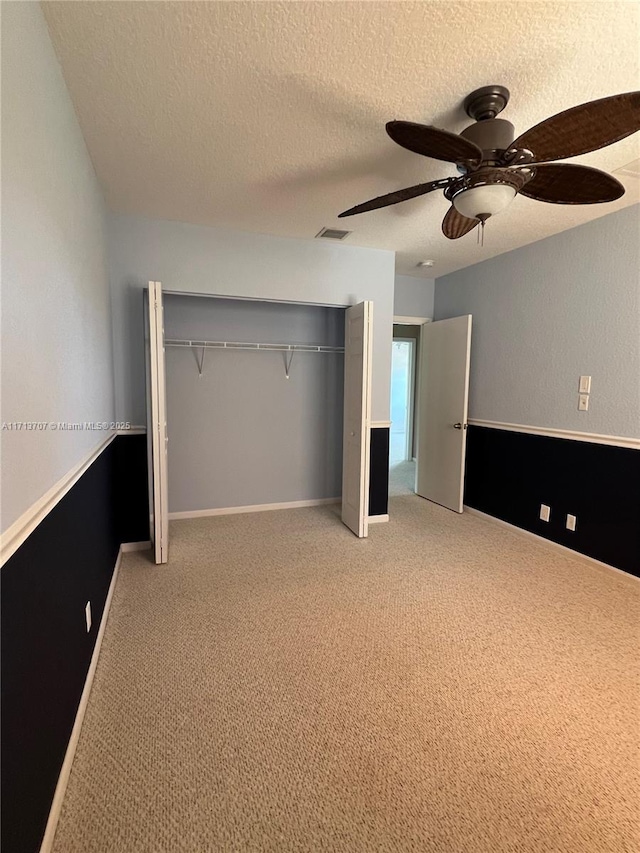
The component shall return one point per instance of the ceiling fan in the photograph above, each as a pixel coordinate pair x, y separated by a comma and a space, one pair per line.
495, 168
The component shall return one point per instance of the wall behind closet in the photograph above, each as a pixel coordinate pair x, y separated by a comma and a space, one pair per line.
243, 434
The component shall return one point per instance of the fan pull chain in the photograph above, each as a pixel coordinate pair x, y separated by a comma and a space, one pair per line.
480, 232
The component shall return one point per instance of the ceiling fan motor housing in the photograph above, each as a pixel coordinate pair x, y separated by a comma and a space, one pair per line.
493, 136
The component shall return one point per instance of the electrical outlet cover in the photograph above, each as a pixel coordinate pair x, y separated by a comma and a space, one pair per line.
87, 615
545, 512
571, 522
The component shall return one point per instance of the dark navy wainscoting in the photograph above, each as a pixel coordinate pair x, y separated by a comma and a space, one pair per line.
133, 488
379, 471
46, 651
509, 474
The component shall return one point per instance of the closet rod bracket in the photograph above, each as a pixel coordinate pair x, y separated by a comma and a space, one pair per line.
200, 361
288, 358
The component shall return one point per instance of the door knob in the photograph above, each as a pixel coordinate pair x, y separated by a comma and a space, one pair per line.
457, 426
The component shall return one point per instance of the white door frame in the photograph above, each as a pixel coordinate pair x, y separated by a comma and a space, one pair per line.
411, 321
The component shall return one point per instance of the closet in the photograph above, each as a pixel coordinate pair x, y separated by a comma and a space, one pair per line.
251, 415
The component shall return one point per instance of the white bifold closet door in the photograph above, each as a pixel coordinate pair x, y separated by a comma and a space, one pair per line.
357, 418
157, 423
445, 348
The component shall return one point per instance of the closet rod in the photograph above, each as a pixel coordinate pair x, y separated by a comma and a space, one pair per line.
253, 346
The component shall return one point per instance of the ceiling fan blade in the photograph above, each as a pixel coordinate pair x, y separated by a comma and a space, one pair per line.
584, 128
397, 196
569, 183
433, 142
456, 225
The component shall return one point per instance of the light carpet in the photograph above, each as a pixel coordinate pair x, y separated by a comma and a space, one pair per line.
446, 685
402, 478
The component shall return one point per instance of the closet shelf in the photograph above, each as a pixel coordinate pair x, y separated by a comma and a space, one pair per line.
203, 346
246, 345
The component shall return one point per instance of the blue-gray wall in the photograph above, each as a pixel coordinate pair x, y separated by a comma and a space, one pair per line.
549, 312
413, 297
242, 433
56, 319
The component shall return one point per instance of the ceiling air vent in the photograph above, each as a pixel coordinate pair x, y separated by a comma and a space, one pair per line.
333, 234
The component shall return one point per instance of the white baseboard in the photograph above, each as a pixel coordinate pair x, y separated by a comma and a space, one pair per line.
234, 510
126, 547
555, 546
378, 519
63, 779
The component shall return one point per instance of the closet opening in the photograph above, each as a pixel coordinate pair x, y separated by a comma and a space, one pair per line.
254, 404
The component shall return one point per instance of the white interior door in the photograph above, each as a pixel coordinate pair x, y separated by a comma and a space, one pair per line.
445, 348
157, 423
357, 418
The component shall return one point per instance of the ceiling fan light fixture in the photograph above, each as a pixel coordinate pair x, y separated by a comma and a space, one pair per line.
483, 201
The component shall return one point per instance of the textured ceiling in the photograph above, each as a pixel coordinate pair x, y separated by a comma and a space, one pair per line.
269, 117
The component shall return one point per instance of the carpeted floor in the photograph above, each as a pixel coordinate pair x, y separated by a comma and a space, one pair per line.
446, 685
402, 478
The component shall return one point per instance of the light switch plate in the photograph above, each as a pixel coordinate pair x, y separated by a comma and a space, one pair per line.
545, 512
583, 403
585, 385
571, 522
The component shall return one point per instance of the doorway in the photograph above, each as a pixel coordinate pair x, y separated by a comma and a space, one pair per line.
403, 433
402, 400
436, 467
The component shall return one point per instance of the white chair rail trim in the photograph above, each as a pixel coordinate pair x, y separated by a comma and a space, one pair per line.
22, 527
553, 432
